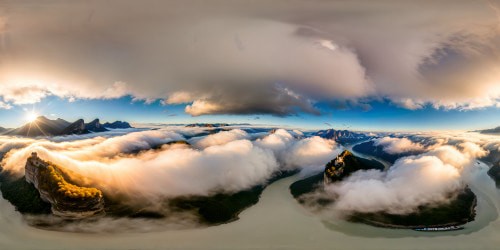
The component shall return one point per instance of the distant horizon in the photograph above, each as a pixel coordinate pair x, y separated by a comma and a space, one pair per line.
139, 124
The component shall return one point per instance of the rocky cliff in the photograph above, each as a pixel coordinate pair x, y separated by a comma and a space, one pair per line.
95, 126
75, 128
345, 164
67, 200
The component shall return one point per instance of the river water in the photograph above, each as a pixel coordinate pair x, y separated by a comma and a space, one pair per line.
276, 222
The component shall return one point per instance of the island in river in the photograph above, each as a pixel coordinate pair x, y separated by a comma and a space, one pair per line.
459, 210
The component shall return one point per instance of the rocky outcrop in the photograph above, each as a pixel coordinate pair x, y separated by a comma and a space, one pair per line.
117, 124
345, 164
76, 128
67, 200
95, 126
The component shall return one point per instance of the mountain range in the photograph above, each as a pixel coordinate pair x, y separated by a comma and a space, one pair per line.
42, 126
341, 136
490, 131
207, 125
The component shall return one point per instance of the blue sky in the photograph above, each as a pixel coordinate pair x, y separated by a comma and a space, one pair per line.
383, 116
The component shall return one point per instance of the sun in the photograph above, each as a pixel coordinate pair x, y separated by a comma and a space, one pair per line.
31, 116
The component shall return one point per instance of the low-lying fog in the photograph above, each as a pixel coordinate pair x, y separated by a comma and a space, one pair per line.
141, 166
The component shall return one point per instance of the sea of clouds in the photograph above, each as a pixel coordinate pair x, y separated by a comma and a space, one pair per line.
143, 166
146, 168
439, 167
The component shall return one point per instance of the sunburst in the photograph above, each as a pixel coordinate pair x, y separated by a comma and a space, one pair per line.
30, 116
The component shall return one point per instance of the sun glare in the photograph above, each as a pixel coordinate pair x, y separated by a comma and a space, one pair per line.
31, 116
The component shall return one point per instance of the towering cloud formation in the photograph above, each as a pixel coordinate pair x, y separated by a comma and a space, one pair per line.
246, 58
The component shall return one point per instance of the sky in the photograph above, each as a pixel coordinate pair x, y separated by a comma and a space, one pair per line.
383, 116
361, 65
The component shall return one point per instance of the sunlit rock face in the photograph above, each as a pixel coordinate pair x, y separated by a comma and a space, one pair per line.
67, 200
345, 164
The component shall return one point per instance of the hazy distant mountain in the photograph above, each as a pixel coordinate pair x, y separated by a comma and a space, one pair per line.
117, 124
341, 135
42, 126
490, 131
2, 130
207, 125
75, 128
95, 126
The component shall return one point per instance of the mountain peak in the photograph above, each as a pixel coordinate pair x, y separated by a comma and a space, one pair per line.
95, 126
42, 118
341, 136
117, 124
47, 127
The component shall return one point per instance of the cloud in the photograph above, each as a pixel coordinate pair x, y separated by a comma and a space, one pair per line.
4, 105
413, 181
143, 167
179, 98
219, 138
299, 153
233, 58
393, 145
276, 100
169, 172
490, 143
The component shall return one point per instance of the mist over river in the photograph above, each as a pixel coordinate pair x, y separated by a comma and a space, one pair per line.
276, 222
